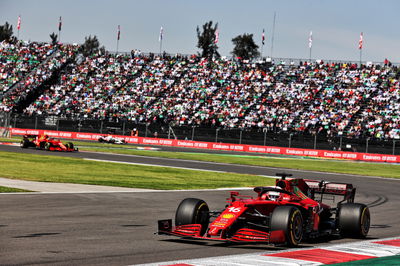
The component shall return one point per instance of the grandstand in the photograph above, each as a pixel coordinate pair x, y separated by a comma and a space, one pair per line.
190, 94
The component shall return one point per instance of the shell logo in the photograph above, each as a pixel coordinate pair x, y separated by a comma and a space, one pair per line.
228, 216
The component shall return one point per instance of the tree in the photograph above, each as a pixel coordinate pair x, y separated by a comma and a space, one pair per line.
206, 40
245, 47
6, 32
53, 38
91, 46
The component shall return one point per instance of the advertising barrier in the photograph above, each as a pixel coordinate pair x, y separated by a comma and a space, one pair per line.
217, 146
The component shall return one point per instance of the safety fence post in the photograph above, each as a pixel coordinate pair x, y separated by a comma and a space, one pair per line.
193, 133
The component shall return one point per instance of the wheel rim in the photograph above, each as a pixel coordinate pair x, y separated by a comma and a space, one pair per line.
296, 230
365, 222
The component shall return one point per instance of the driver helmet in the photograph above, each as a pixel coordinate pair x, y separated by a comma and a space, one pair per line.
273, 195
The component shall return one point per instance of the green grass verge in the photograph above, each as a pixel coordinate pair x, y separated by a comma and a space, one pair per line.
75, 170
322, 165
312, 164
10, 189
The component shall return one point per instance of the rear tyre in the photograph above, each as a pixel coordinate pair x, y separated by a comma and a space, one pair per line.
24, 143
290, 221
354, 220
193, 211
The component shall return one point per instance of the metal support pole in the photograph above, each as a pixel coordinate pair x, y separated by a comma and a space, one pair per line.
240, 136
366, 146
57, 124
394, 147
123, 128
265, 137
35, 122
145, 134
216, 135
315, 141
15, 121
101, 127
193, 133
290, 140
340, 144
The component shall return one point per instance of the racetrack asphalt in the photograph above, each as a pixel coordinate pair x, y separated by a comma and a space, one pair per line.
118, 228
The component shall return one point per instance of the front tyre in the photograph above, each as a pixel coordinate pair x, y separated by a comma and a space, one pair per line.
193, 211
69, 145
47, 146
354, 220
290, 221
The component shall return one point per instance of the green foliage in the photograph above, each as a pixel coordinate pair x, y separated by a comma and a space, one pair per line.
6, 32
206, 40
91, 46
245, 47
53, 38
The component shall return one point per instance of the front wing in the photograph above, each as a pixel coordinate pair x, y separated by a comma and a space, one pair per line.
193, 231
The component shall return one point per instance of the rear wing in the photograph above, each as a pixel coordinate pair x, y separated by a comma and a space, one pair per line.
332, 188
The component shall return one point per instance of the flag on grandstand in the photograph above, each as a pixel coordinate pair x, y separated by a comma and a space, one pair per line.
19, 22
59, 24
119, 32
360, 42
216, 36
310, 40
263, 37
160, 38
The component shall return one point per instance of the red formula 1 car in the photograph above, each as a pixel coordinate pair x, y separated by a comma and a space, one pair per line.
43, 142
288, 213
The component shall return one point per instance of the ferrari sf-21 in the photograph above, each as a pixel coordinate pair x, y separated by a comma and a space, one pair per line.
293, 211
43, 142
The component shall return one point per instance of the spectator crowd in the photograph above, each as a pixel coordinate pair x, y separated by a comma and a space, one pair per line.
324, 98
25, 66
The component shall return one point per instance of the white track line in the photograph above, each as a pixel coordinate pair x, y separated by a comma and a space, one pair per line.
155, 165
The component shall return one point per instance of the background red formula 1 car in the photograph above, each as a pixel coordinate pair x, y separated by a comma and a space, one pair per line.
288, 213
43, 142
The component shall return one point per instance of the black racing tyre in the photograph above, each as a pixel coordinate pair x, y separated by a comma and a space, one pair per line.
290, 220
47, 146
70, 145
42, 145
193, 211
24, 143
354, 220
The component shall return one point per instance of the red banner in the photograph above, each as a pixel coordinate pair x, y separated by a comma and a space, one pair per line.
216, 146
